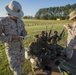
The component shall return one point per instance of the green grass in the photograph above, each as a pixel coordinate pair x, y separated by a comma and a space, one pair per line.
33, 27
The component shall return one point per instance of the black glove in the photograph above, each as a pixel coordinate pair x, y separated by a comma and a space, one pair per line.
47, 68
57, 62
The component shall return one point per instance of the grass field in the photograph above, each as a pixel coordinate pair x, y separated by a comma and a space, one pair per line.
33, 27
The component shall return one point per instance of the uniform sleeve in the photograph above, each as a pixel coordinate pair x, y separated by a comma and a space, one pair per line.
3, 38
24, 32
31, 47
72, 29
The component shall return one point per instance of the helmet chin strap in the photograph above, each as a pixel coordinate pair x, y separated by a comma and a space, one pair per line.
13, 18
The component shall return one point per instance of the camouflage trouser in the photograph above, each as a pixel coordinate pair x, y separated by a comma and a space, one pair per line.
33, 65
70, 47
16, 59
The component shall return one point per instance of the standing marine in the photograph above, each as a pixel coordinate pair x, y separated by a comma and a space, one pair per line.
11, 27
71, 39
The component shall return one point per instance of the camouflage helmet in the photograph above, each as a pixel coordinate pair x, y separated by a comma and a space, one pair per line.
56, 32
36, 36
42, 32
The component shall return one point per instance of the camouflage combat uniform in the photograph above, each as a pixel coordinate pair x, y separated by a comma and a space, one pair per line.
35, 49
43, 41
14, 49
71, 41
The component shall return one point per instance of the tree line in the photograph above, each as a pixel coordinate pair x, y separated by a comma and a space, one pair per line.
28, 17
53, 13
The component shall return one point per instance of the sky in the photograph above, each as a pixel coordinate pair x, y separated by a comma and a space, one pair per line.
30, 7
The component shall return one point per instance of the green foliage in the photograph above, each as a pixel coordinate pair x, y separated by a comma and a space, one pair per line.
55, 12
33, 27
28, 17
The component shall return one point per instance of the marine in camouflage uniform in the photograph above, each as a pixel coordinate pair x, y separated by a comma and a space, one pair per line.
35, 47
35, 51
71, 39
54, 38
14, 48
43, 39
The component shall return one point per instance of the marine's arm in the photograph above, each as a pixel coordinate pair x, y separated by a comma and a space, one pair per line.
69, 28
31, 47
3, 38
24, 32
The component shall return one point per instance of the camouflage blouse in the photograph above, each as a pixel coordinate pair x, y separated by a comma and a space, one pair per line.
9, 27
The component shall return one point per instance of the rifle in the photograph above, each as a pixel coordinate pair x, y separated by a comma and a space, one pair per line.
50, 31
46, 33
60, 37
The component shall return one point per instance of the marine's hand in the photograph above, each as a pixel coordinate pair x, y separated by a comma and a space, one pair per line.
67, 26
16, 38
36, 59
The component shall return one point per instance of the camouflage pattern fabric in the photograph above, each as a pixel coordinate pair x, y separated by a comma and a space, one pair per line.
71, 41
35, 48
14, 49
43, 41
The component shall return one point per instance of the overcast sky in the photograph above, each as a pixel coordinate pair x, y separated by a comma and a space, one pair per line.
30, 7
